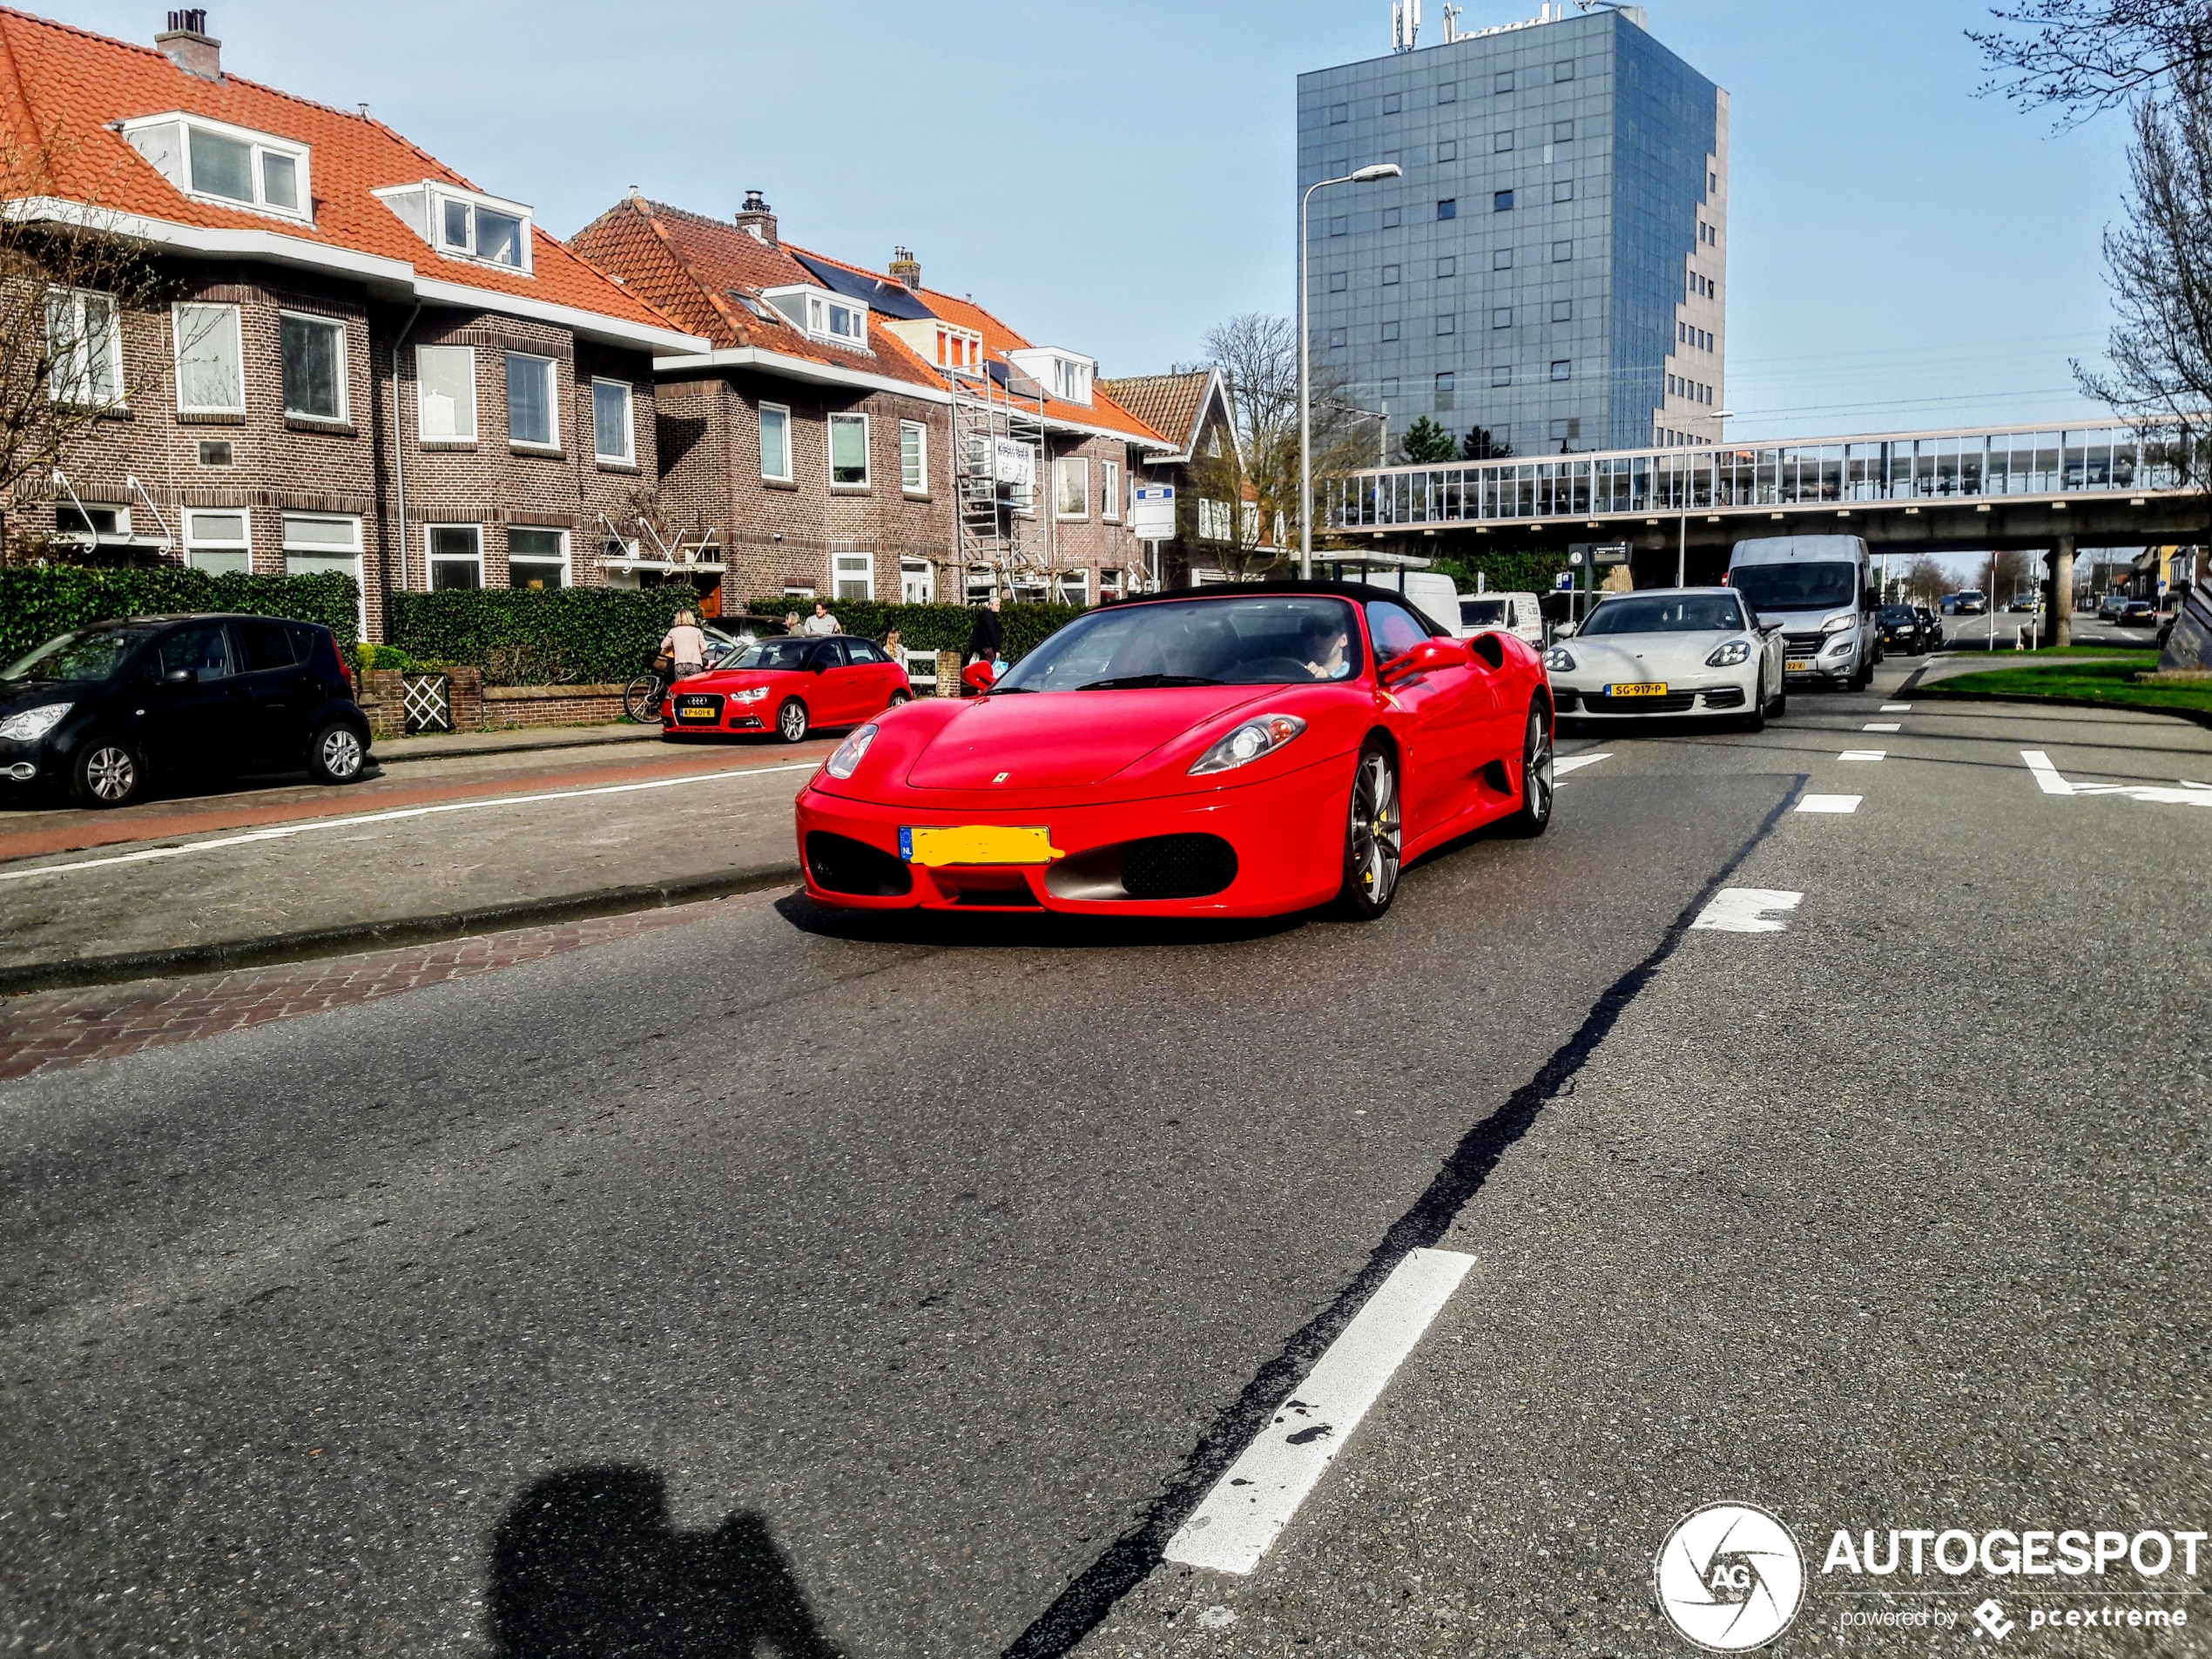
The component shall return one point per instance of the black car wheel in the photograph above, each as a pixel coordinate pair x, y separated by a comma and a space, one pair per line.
1373, 840
107, 772
336, 754
792, 720
1534, 816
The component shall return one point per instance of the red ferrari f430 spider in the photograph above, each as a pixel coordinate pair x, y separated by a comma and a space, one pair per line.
1244, 750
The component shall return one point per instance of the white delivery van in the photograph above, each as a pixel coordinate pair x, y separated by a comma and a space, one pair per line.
1430, 592
1508, 613
1820, 590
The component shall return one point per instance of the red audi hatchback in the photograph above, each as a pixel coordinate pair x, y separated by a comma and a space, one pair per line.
789, 687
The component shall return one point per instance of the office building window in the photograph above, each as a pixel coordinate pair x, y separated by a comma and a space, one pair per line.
1502, 202
1394, 157
1389, 387
1563, 191
445, 393
1682, 333
1339, 281
1391, 217
1502, 375
1448, 209
1448, 149
456, 553
1563, 368
537, 558
1390, 275
1445, 382
1390, 331
1501, 142
1562, 252
1502, 317
1337, 337
1712, 182
1562, 132
1338, 114
1448, 323
848, 445
1504, 83
1391, 103
1502, 260
1340, 165
1449, 93
1446, 268
1562, 310
1340, 226
1563, 71
775, 444
913, 457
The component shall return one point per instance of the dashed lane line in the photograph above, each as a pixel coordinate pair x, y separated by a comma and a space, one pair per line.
1896, 708
1882, 725
1862, 754
1249, 1507
1829, 803
279, 831
1742, 910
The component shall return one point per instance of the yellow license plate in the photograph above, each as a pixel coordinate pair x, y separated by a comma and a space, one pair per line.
1649, 688
932, 845
1799, 665
697, 714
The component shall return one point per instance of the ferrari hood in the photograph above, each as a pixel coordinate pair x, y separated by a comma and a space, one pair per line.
1066, 739
1632, 657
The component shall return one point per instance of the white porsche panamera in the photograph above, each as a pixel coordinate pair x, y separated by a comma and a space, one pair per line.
1678, 651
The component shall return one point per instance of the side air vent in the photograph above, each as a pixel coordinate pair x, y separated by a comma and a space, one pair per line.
839, 863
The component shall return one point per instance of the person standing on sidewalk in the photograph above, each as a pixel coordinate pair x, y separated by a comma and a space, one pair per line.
989, 635
821, 622
686, 644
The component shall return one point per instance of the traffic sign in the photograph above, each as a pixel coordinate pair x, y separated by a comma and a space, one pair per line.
1601, 552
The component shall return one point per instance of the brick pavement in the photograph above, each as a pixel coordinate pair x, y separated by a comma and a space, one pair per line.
52, 1030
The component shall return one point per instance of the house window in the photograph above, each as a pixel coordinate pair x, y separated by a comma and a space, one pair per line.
218, 542
980, 584
1110, 583
531, 406
1389, 387
798, 590
612, 440
917, 582
478, 231
231, 164
1389, 331
315, 545
537, 558
1448, 149
1071, 487
1109, 491
84, 339
1563, 369
211, 378
848, 447
216, 452
1339, 226
1213, 520
1448, 209
1337, 339
1445, 384
913, 457
1390, 275
314, 349
445, 383
775, 444
456, 555
854, 575
1073, 587
960, 350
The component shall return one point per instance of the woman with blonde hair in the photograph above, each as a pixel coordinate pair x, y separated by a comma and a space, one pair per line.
686, 644
894, 647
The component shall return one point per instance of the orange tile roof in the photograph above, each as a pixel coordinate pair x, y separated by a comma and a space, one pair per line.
1170, 404
61, 88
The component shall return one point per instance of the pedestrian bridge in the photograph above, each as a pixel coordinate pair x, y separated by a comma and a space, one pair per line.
2116, 484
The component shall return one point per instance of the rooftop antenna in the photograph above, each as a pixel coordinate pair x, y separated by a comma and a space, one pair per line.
1405, 24
1451, 22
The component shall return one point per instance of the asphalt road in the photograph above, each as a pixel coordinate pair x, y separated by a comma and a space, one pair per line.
901, 1289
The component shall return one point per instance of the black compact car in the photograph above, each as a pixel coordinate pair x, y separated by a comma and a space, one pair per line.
1930, 626
1901, 631
2138, 613
108, 709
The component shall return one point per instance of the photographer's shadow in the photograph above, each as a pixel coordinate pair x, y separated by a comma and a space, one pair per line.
585, 1565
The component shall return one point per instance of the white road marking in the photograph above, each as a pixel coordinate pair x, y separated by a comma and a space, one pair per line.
1829, 803
1897, 708
2182, 793
1882, 725
1862, 754
1250, 1505
278, 832
2046, 775
1575, 763
1736, 910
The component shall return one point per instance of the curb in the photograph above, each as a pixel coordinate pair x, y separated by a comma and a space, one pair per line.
2197, 717
400, 757
270, 949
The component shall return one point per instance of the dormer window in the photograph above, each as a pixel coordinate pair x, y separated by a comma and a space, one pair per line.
213, 161
1063, 374
820, 314
960, 350
464, 223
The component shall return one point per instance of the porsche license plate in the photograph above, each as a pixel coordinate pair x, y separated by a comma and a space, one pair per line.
932, 845
1648, 688
1799, 665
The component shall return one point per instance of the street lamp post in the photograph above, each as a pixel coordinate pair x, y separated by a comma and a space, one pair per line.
1357, 176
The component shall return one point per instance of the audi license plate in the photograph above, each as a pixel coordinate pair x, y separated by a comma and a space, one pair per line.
932, 845
1649, 688
706, 712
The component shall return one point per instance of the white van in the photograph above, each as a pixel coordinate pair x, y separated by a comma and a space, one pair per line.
1430, 592
1508, 613
1820, 590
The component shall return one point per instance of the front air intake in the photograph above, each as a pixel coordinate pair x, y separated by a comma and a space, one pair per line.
839, 863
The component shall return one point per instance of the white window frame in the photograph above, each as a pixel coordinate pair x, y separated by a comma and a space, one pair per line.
861, 570
177, 352
548, 445
64, 385
1064, 469
915, 482
1080, 578
568, 562
345, 365
628, 455
429, 578
829, 452
179, 171
329, 549
197, 544
806, 307
786, 477
917, 582
959, 351
1109, 491
422, 429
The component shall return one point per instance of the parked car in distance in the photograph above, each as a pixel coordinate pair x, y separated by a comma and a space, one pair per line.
1903, 630
1517, 614
2112, 607
110, 709
2138, 613
787, 686
1930, 626
1971, 601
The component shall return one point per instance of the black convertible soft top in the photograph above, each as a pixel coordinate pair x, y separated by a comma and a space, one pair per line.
1358, 592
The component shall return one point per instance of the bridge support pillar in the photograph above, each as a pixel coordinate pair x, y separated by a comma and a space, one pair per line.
2058, 614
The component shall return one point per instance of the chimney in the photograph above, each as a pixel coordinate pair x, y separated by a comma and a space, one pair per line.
758, 217
905, 267
187, 44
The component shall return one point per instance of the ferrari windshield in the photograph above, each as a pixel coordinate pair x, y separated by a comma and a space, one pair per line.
1263, 640
1673, 613
787, 653
1809, 585
86, 658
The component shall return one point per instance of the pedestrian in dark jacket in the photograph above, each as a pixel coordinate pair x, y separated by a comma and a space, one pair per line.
989, 635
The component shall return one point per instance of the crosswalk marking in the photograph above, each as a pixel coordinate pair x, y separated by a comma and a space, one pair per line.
1829, 803
1740, 910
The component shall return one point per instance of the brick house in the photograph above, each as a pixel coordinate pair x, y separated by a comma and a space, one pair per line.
835, 433
362, 362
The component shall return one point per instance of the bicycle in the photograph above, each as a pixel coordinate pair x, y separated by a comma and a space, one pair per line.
641, 697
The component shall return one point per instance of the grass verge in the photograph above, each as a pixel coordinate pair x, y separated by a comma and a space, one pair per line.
2077, 682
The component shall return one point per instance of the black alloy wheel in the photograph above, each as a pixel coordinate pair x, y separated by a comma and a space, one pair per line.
107, 772
1374, 835
1538, 786
792, 720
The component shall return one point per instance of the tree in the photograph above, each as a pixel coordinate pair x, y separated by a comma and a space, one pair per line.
1478, 445
1926, 581
1425, 440
2086, 57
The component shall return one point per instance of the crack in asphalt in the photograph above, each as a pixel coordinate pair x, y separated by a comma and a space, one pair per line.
1131, 1558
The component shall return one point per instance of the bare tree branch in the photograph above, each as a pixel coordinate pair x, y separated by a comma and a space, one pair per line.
2086, 57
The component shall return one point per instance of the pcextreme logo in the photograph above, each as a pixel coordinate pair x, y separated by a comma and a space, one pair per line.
1729, 1577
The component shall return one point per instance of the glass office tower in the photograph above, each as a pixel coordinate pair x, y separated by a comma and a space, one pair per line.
1552, 267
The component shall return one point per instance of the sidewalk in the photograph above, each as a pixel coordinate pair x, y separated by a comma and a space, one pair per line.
444, 745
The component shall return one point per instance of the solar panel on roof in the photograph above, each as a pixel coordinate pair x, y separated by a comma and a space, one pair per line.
886, 299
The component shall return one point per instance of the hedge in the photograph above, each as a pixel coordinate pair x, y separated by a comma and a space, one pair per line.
39, 600
539, 635
1506, 572
933, 627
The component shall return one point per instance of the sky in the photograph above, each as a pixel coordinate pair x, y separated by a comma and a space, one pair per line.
1118, 178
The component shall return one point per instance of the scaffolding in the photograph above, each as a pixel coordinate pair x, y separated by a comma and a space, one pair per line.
999, 452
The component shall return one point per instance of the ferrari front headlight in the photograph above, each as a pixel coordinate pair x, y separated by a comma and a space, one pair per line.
847, 758
1560, 660
34, 724
1262, 735
1728, 654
